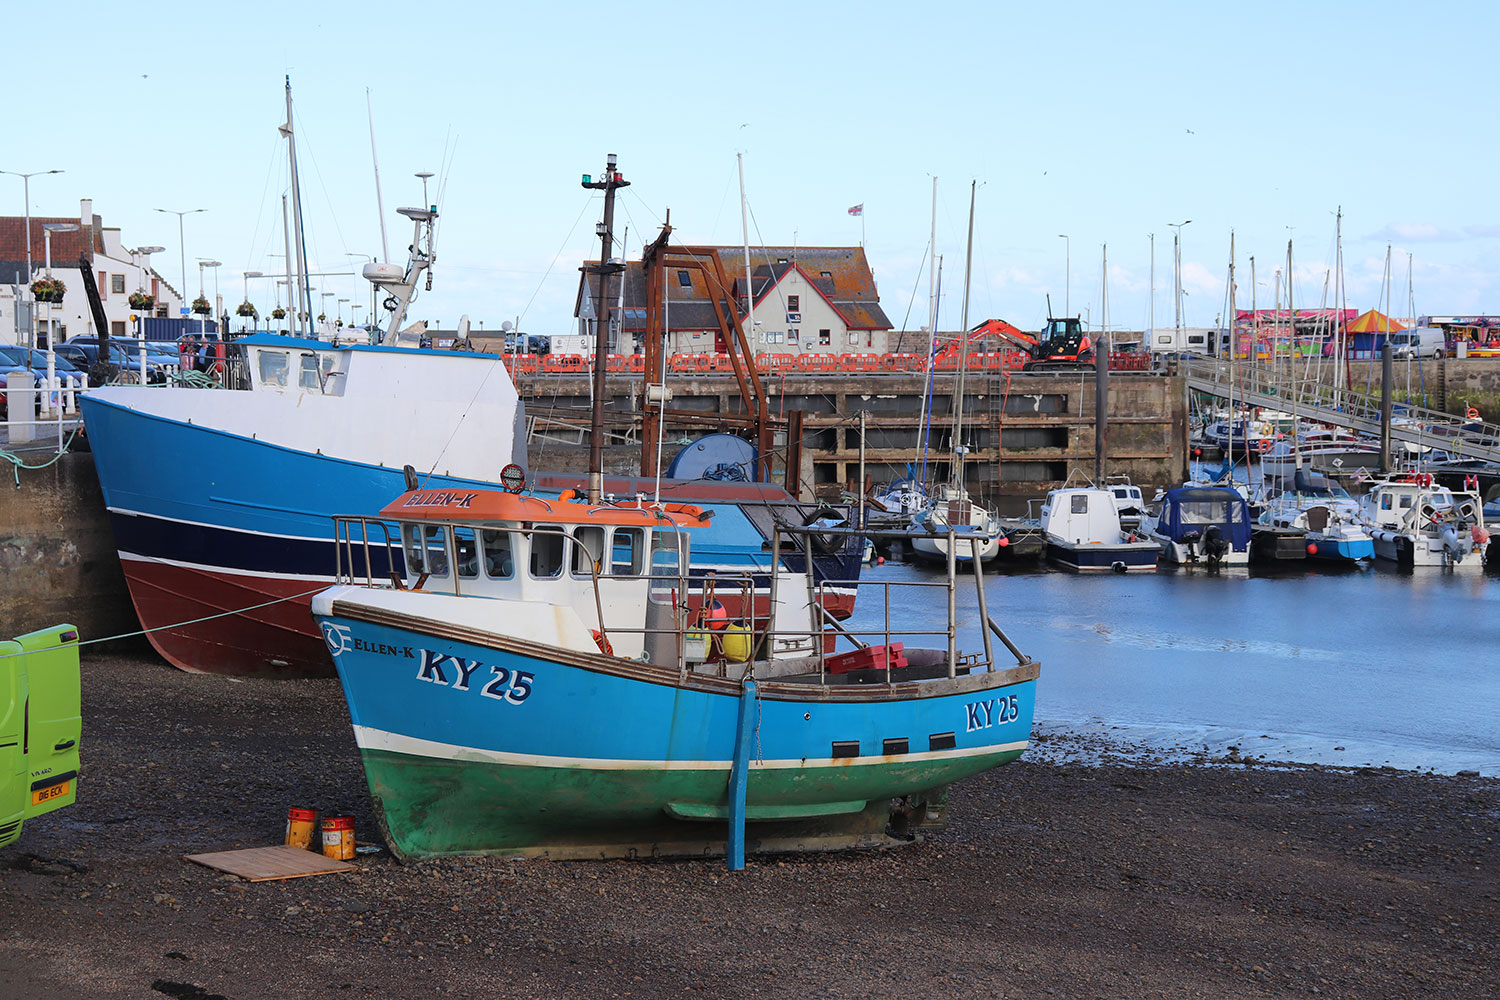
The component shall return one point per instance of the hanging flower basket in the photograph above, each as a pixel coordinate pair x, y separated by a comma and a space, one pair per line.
201, 306
246, 309
322, 318
48, 289
278, 313
142, 301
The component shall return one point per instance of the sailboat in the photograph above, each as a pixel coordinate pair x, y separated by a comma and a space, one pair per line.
953, 520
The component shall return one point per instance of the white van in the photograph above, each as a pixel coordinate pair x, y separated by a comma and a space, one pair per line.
1419, 342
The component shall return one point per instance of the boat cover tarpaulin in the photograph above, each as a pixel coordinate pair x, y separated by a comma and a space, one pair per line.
1197, 508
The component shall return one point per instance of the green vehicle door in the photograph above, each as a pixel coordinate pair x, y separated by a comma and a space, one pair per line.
54, 724
15, 780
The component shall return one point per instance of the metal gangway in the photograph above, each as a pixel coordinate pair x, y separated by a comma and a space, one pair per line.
1284, 387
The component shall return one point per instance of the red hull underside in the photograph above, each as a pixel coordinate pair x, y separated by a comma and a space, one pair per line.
278, 640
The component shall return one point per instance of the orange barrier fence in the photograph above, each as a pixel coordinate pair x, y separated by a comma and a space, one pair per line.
806, 364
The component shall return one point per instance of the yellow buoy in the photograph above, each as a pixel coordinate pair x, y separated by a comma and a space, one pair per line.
736, 641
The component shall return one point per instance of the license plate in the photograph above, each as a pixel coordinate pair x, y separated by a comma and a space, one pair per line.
52, 792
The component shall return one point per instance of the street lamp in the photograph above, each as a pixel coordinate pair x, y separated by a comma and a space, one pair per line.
339, 306
181, 242
1068, 278
323, 302
26, 193
352, 309
47, 230
215, 264
1177, 267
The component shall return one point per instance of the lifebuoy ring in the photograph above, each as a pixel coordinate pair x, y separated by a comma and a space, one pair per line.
1263, 445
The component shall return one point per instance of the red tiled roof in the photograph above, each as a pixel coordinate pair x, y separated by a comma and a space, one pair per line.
65, 246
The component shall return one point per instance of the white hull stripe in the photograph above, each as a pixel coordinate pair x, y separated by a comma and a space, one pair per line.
377, 739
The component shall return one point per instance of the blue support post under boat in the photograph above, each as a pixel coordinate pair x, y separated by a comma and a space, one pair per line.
739, 776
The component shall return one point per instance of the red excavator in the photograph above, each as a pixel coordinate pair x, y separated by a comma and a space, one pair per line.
1061, 346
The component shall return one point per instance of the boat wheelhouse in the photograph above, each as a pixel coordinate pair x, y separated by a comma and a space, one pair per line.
1415, 521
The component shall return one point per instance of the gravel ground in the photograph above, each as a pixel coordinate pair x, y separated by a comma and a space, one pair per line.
1087, 870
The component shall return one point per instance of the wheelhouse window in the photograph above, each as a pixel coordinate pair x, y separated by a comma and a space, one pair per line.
547, 551
307, 375
426, 549
625, 551
466, 552
273, 368
499, 561
588, 548
666, 567
1080, 503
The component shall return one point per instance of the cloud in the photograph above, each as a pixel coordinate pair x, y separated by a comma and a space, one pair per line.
1483, 232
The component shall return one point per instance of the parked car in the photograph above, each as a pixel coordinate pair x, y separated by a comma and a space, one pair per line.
84, 355
13, 358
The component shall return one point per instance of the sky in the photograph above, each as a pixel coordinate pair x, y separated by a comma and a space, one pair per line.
1106, 123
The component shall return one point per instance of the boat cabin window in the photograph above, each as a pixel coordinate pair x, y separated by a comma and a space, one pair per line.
1385, 501
588, 548
1080, 503
425, 549
547, 551
499, 563
466, 553
665, 567
626, 552
1406, 499
273, 368
307, 374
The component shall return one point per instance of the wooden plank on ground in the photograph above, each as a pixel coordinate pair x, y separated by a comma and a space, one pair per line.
263, 864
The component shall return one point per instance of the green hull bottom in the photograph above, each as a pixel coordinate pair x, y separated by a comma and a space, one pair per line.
431, 807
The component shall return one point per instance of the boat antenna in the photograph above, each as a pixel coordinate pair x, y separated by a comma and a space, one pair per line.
602, 270
385, 245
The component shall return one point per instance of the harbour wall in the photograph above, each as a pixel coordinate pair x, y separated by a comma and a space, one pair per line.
1025, 433
57, 553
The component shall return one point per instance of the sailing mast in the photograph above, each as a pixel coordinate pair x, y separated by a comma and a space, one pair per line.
959, 450
602, 270
1234, 358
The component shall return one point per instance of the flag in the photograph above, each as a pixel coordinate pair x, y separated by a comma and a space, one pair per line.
857, 209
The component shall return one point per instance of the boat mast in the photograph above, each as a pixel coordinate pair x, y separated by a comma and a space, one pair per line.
304, 294
957, 477
1234, 355
934, 282
602, 270
385, 246
1291, 313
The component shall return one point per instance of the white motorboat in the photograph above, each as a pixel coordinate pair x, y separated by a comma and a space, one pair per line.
1415, 521
1082, 527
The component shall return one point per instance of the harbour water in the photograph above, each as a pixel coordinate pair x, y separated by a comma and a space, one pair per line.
1374, 667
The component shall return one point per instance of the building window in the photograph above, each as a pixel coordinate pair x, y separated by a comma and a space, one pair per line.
854, 336
825, 274
781, 260
792, 334
117, 328
103, 285
825, 337
794, 303
773, 336
685, 278
117, 284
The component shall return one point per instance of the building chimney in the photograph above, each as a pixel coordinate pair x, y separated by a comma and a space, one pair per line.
86, 213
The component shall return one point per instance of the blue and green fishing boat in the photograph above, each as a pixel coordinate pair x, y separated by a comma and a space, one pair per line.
540, 678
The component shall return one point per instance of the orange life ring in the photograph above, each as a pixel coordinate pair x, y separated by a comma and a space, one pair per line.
1471, 414
1263, 445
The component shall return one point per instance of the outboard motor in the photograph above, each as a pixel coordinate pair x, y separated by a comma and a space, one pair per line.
1191, 539
1215, 546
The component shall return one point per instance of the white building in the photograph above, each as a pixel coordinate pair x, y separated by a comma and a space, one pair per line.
117, 271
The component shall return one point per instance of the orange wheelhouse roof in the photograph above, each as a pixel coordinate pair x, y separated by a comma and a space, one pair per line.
497, 505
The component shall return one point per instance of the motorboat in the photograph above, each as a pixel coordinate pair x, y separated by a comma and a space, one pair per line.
1082, 528
1318, 448
1201, 524
538, 677
1330, 519
1129, 503
1416, 521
